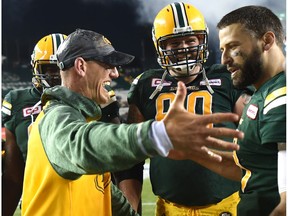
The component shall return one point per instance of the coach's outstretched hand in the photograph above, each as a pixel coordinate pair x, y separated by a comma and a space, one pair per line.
190, 134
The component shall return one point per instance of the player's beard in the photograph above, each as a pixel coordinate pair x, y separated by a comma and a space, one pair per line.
251, 71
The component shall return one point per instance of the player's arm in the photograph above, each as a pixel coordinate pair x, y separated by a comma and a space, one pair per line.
120, 206
225, 167
12, 175
130, 181
134, 115
280, 210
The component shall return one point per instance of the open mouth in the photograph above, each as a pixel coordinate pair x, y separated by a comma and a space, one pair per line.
234, 73
106, 85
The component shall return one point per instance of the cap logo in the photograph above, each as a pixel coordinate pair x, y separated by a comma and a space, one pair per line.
106, 40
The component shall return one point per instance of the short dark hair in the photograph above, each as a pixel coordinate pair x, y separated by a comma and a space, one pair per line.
257, 20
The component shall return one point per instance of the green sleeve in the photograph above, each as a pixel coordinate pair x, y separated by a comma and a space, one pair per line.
120, 205
75, 147
8, 112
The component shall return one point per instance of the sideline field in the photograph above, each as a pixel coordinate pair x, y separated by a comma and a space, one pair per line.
148, 198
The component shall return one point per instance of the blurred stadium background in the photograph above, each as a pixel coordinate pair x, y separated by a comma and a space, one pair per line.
126, 23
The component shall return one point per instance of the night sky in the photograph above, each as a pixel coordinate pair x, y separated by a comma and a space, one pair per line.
25, 22
126, 23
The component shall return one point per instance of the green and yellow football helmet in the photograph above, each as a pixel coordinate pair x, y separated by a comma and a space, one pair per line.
44, 63
180, 20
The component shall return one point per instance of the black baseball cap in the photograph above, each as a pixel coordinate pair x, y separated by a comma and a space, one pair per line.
90, 46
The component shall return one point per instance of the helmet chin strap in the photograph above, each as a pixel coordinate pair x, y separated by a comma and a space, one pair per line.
160, 86
40, 85
205, 79
45, 83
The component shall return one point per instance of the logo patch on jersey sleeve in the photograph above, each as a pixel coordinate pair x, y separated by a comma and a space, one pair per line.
252, 111
212, 82
155, 82
29, 110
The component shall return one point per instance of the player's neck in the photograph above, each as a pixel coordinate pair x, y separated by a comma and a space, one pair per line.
186, 79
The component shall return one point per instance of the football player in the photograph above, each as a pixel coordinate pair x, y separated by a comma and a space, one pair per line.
18, 109
252, 49
180, 35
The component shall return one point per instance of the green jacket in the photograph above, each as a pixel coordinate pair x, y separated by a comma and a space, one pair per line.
75, 147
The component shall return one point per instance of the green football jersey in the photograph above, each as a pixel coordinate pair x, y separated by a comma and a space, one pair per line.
185, 182
16, 114
264, 124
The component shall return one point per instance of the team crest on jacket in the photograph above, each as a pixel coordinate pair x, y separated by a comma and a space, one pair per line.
155, 82
102, 182
212, 82
252, 111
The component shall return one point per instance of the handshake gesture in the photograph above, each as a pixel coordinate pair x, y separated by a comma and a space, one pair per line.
190, 135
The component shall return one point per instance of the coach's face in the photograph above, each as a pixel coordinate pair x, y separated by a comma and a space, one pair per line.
98, 74
242, 54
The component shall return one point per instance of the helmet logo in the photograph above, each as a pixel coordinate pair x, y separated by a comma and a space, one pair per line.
45, 52
40, 52
106, 40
